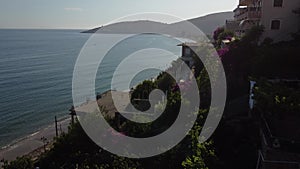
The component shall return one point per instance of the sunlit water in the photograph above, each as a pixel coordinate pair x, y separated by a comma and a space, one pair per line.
36, 68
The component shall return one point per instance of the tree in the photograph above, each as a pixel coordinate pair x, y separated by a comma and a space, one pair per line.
226, 34
217, 32
202, 155
19, 163
253, 35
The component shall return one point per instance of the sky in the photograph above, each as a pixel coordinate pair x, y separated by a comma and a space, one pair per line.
85, 14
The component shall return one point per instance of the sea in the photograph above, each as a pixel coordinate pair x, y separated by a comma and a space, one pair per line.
36, 70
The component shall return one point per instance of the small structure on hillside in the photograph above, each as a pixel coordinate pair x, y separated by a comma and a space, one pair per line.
280, 133
189, 57
72, 113
188, 53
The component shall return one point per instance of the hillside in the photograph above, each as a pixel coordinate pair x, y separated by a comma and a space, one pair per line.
142, 26
207, 24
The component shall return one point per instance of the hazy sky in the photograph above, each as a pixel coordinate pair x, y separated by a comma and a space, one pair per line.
92, 13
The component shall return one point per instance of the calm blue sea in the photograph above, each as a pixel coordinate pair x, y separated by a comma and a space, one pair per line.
36, 68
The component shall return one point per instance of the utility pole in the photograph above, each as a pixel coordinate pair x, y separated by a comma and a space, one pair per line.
72, 113
118, 120
60, 129
56, 131
44, 140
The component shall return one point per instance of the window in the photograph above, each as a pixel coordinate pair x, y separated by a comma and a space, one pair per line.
275, 25
187, 51
278, 3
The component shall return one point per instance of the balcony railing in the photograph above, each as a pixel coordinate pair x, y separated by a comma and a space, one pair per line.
254, 14
239, 11
232, 25
248, 13
245, 2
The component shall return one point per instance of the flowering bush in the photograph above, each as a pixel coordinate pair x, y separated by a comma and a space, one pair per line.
217, 32
228, 37
183, 85
112, 133
222, 51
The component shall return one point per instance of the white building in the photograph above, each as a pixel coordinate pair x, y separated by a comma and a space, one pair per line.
276, 16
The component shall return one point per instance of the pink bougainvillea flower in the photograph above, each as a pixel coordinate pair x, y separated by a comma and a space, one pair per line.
222, 51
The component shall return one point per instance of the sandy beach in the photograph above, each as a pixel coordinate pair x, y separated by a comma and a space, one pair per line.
33, 144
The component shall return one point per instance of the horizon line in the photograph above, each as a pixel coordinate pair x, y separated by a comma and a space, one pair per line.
92, 27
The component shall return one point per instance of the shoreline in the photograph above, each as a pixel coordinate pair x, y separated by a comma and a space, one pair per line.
20, 139
32, 145
32, 142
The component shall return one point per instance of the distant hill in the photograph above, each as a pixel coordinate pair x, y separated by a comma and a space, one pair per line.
141, 26
207, 24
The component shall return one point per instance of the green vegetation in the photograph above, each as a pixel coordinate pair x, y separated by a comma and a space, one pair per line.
76, 150
277, 99
234, 144
19, 163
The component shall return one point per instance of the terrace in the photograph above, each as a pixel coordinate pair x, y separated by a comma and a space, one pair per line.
247, 2
279, 125
247, 13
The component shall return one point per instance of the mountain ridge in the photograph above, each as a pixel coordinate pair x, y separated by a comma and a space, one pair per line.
207, 24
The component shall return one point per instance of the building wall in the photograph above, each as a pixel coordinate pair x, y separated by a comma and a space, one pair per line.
231, 25
289, 20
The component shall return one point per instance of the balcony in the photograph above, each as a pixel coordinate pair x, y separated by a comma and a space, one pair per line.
251, 13
245, 2
232, 25
238, 12
249, 2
